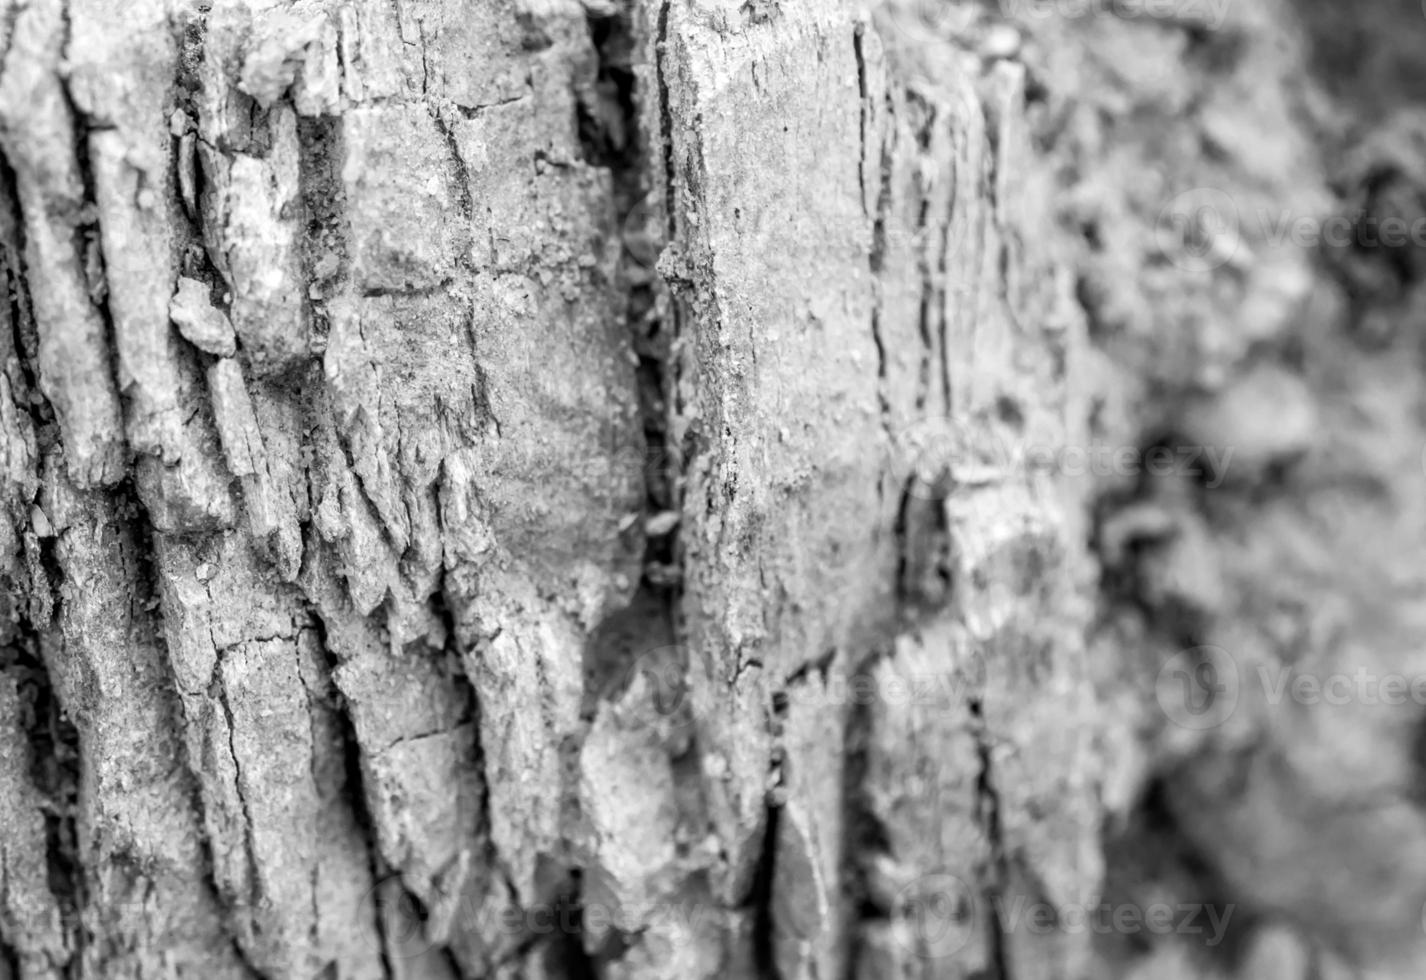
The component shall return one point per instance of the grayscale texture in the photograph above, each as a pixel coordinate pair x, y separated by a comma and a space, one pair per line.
631, 489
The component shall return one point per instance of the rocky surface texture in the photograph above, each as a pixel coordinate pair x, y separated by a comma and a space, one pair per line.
707, 488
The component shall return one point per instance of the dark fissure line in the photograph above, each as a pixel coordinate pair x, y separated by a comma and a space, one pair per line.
876, 257
988, 798
666, 119
857, 36
354, 787
612, 136
24, 333
323, 196
254, 896
54, 772
82, 126
9, 959
764, 880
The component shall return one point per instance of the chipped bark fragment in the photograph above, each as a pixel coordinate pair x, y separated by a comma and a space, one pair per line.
202, 325
136, 254
36, 922
233, 411
279, 52
256, 226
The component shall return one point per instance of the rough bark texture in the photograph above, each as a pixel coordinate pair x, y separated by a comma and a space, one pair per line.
536, 489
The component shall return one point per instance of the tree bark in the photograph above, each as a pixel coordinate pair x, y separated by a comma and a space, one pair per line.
543, 489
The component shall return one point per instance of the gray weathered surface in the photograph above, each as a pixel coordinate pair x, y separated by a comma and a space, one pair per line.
541, 488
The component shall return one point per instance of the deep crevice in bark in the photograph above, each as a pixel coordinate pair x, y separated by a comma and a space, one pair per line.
876, 256
613, 137
1148, 849
54, 771
323, 243
994, 889
666, 119
760, 900
9, 959
354, 787
865, 836
568, 953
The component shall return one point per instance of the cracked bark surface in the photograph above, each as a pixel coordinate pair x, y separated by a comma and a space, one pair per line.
526, 489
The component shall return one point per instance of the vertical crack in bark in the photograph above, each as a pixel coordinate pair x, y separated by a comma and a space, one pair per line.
858, 39
943, 271
54, 771
355, 788
864, 836
478, 762
931, 292
988, 799
666, 120
9, 960
462, 182
322, 248
876, 257
94, 255
613, 136
567, 953
25, 335
254, 896
761, 900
